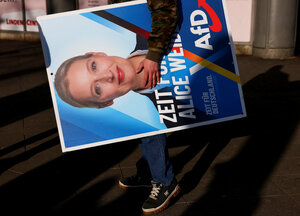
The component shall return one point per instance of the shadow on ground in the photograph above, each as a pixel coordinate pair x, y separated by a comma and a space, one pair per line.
272, 104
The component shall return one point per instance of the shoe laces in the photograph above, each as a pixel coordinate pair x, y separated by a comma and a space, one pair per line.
155, 191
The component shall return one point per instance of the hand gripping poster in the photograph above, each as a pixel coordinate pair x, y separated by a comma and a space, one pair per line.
91, 57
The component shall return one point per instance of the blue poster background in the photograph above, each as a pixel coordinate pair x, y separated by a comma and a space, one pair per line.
202, 83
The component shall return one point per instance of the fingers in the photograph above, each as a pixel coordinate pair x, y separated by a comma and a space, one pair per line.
154, 79
140, 68
151, 73
150, 79
147, 81
157, 77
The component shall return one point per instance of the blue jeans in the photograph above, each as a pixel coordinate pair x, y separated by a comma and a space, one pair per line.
155, 162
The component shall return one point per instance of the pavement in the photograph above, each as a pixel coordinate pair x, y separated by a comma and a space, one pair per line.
245, 167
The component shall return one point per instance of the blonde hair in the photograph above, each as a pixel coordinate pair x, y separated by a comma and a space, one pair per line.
62, 85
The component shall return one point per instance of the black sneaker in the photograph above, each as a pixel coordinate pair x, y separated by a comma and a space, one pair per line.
134, 182
160, 197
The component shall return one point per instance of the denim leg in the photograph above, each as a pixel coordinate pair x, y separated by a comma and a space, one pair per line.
155, 152
143, 169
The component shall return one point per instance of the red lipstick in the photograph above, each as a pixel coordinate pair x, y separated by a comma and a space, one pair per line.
120, 75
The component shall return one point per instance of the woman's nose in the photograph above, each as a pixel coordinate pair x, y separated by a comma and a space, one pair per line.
106, 76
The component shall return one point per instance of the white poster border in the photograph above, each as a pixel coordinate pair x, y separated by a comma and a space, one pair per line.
126, 138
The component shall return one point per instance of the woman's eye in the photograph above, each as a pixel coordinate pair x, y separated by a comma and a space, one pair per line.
97, 89
94, 67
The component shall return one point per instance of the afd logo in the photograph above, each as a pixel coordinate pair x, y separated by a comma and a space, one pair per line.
199, 24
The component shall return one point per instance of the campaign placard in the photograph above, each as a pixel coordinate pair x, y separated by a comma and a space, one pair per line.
92, 56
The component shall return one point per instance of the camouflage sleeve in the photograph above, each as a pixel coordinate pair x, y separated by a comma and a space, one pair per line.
164, 20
